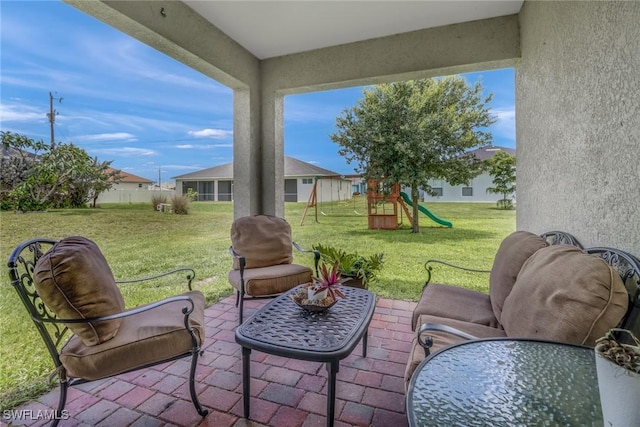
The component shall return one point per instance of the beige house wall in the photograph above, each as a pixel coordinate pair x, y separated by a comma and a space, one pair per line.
578, 121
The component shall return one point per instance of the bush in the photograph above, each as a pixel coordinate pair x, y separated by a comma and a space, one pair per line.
180, 204
157, 199
505, 204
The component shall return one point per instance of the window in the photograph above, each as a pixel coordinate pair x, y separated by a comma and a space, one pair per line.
438, 191
307, 180
467, 191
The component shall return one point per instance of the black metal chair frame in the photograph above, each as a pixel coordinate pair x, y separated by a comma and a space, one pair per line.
242, 262
627, 266
54, 331
552, 238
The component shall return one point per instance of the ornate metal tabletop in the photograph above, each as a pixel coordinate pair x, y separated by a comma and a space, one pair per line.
285, 329
506, 382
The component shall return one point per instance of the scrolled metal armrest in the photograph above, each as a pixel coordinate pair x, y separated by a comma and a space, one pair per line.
316, 254
427, 342
429, 269
187, 310
190, 276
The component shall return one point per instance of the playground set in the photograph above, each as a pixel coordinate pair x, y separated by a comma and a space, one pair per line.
382, 209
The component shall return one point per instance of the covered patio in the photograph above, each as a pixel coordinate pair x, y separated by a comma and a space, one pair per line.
578, 127
370, 391
577, 85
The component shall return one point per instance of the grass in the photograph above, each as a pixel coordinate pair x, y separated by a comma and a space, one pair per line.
138, 241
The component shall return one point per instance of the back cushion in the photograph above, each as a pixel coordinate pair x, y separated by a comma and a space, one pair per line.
75, 282
263, 240
564, 294
514, 250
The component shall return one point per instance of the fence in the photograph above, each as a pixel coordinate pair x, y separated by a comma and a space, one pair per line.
140, 195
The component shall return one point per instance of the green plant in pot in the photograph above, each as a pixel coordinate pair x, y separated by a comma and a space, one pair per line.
618, 369
360, 269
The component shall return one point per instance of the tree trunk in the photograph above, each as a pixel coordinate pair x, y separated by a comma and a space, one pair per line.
415, 198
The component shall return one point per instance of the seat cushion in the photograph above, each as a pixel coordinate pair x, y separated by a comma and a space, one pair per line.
273, 280
514, 250
442, 339
263, 240
453, 302
564, 294
144, 339
75, 282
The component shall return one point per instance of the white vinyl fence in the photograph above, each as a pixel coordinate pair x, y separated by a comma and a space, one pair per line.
139, 195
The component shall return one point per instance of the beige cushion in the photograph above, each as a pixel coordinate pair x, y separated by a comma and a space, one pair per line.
263, 240
514, 250
442, 339
144, 339
564, 294
273, 280
453, 302
75, 282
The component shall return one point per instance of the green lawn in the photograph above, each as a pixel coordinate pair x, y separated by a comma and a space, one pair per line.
138, 241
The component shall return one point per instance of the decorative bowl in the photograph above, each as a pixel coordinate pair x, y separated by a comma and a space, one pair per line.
300, 297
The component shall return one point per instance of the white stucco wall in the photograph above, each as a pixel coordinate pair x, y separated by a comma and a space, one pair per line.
453, 193
578, 121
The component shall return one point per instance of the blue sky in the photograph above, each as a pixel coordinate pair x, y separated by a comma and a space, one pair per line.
126, 102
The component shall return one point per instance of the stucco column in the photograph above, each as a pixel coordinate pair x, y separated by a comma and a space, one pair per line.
272, 153
247, 167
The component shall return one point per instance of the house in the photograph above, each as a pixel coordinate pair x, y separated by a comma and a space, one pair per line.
130, 189
476, 189
576, 83
300, 178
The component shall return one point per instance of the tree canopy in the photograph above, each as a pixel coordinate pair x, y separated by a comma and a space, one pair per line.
37, 176
416, 131
502, 166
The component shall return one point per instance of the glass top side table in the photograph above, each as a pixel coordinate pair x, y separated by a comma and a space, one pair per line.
506, 382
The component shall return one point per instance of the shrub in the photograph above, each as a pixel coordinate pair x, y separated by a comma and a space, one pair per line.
157, 199
180, 204
192, 194
505, 204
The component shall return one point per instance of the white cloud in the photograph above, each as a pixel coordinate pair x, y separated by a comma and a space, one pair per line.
21, 113
126, 151
202, 147
505, 125
116, 136
211, 133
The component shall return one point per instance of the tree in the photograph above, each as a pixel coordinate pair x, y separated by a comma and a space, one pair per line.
64, 175
416, 131
502, 166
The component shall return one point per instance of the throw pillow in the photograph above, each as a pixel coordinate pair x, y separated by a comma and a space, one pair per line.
75, 282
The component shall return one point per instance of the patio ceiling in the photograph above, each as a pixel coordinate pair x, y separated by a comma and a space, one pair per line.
274, 28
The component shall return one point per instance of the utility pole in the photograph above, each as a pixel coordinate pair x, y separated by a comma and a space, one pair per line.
52, 117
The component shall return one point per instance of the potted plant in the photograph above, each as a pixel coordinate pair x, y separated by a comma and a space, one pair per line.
618, 370
323, 291
326, 285
360, 270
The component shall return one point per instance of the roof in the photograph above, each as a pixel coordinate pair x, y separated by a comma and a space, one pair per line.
11, 152
292, 167
129, 177
488, 151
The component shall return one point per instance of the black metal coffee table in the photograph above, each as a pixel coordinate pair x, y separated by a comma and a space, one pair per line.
284, 329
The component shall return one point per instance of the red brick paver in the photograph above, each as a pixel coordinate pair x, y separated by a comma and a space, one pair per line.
370, 391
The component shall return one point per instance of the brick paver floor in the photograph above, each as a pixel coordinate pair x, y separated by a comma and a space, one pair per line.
284, 392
